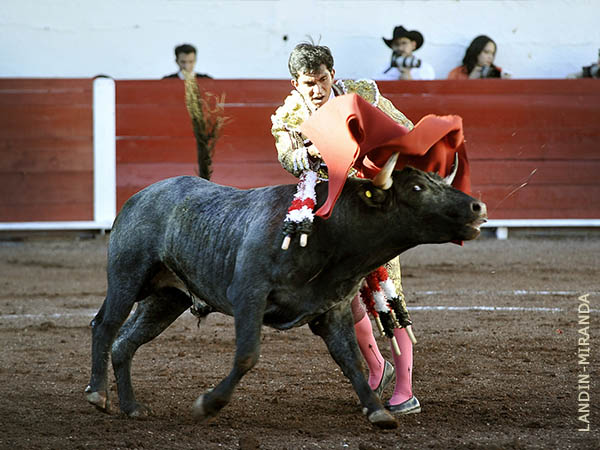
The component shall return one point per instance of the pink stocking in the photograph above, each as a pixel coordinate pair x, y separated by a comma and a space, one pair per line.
403, 365
370, 351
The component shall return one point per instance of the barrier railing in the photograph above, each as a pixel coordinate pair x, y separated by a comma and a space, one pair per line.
533, 144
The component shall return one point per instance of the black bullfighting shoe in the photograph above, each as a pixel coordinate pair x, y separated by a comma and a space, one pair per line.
386, 378
410, 406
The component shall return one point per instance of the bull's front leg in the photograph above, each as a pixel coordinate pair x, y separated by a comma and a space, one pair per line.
337, 330
248, 316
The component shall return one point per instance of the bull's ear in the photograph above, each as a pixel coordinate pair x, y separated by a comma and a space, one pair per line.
373, 196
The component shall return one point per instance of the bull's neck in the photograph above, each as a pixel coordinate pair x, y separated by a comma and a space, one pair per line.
361, 248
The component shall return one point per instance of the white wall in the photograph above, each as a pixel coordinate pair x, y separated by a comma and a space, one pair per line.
245, 39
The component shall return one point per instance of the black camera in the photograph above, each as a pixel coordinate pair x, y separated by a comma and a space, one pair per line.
490, 72
592, 71
407, 62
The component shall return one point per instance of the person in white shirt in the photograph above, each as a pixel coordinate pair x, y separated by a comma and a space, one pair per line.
404, 64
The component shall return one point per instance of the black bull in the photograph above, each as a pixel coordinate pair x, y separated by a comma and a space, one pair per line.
186, 235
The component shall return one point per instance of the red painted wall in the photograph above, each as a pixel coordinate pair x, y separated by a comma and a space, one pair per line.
46, 150
545, 133
514, 128
155, 138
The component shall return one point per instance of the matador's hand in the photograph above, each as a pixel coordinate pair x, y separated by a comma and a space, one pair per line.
313, 151
300, 160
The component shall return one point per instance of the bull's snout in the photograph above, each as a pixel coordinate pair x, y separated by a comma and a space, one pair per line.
478, 218
479, 208
479, 211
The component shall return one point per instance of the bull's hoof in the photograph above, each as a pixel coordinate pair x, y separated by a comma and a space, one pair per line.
383, 419
139, 411
198, 411
98, 399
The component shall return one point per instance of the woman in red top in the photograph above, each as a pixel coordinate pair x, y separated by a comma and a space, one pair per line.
478, 61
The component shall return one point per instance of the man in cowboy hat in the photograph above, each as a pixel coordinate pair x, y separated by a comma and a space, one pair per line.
404, 65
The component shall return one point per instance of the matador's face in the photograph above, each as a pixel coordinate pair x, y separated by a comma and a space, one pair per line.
315, 87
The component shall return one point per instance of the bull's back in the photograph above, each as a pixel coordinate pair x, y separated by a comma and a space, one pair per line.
195, 228
176, 204
138, 233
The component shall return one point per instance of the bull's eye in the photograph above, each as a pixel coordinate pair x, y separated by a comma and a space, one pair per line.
417, 188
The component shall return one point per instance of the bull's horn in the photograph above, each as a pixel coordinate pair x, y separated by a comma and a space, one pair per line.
450, 178
383, 180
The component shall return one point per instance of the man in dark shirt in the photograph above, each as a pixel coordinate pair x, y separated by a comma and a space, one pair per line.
185, 58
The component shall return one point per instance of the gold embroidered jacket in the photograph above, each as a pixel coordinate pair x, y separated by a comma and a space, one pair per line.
294, 111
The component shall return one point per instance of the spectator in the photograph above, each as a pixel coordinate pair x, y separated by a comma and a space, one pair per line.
185, 58
404, 65
591, 71
478, 61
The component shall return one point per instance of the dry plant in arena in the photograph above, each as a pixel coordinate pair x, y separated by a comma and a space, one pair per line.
207, 114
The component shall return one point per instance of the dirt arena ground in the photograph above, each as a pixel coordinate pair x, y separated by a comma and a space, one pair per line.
496, 365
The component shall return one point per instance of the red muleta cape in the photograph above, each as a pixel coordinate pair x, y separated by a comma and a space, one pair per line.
350, 132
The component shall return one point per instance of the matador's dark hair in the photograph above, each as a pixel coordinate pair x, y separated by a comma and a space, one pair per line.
308, 57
